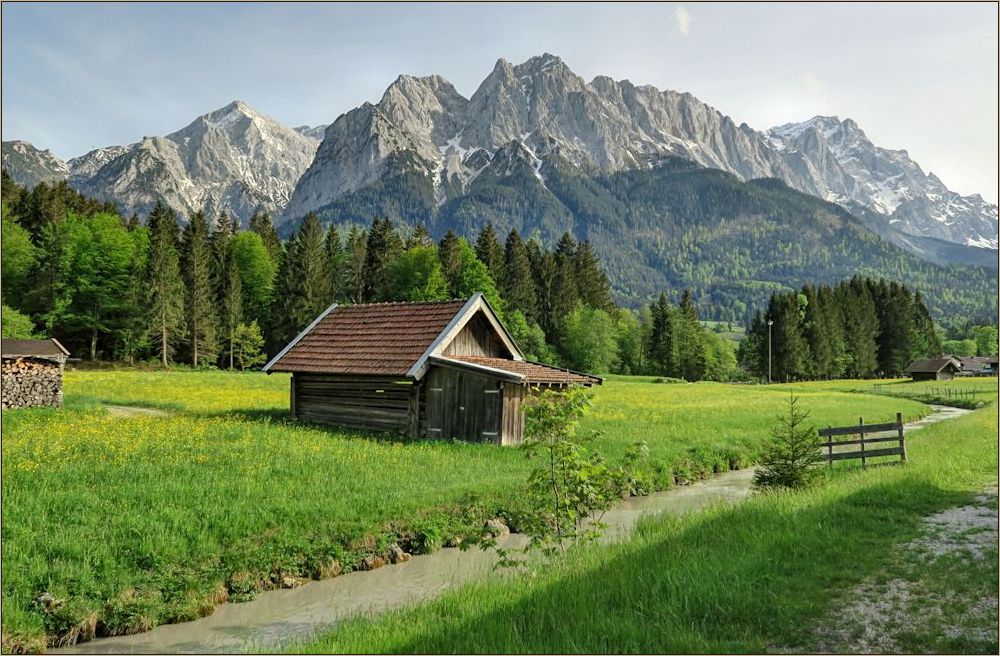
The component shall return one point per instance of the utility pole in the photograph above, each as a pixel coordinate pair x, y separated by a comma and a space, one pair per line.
770, 322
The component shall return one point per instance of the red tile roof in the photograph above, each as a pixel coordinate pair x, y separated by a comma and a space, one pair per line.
374, 339
533, 372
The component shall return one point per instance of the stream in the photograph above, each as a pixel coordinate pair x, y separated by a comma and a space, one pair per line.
278, 617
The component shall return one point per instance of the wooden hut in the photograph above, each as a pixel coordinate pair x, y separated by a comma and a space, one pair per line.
445, 369
32, 372
934, 369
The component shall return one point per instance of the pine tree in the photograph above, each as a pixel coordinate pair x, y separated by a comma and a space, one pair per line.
518, 285
166, 288
196, 263
591, 281
384, 245
451, 262
490, 252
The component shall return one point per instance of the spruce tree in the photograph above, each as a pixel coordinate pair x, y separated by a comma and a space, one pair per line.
490, 252
661, 346
690, 340
303, 287
451, 262
564, 295
165, 294
354, 273
419, 238
591, 281
384, 246
789, 349
261, 223
817, 333
861, 327
232, 306
518, 285
196, 263
335, 264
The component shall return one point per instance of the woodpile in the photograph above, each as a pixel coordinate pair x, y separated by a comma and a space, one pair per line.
31, 382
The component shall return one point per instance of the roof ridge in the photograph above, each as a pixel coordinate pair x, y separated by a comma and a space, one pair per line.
409, 303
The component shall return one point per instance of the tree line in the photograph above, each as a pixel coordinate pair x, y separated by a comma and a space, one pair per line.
860, 328
210, 293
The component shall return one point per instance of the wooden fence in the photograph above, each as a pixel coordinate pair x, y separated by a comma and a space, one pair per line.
864, 452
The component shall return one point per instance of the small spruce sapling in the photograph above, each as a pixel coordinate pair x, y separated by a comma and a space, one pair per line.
791, 455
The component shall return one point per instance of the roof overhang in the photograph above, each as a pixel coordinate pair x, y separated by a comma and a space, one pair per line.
267, 367
472, 367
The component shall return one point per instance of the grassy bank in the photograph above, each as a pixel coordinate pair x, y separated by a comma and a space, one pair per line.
132, 522
732, 580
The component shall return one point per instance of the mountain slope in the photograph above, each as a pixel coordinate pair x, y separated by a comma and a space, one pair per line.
28, 165
607, 126
849, 169
233, 159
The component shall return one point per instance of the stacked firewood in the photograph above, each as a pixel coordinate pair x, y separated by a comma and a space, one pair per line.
29, 382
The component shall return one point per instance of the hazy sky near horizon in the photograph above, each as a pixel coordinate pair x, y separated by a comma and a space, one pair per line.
920, 77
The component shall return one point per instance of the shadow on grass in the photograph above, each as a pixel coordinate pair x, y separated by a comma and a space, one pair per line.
281, 417
734, 580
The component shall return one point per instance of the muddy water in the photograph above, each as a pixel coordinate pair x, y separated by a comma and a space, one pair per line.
281, 616
278, 617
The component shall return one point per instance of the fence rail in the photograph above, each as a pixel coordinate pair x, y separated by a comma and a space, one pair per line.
863, 453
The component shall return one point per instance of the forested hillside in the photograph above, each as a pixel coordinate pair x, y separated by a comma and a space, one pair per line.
212, 295
673, 227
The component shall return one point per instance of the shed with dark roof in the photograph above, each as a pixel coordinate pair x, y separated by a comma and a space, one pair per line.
445, 369
934, 368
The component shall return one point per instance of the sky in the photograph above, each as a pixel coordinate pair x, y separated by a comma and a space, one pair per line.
920, 77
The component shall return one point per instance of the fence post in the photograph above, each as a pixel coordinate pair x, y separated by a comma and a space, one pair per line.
861, 422
902, 438
829, 447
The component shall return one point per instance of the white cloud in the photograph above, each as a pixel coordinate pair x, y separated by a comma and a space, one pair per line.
812, 83
683, 18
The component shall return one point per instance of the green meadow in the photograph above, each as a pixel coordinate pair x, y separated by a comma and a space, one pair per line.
135, 521
772, 574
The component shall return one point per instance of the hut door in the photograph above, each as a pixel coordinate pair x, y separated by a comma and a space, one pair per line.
463, 406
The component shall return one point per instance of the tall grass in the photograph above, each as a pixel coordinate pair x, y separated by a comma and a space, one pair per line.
730, 580
144, 520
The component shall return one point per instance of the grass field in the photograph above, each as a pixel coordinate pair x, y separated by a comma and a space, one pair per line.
746, 579
143, 520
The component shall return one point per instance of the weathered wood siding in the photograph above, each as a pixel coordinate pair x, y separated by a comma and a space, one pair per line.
462, 405
478, 338
512, 431
369, 402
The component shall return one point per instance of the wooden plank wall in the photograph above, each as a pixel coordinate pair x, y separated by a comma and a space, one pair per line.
369, 402
512, 431
477, 338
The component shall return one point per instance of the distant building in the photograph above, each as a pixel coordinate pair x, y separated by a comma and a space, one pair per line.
32, 372
446, 369
934, 368
979, 365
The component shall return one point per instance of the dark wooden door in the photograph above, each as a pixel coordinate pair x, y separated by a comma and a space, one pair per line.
463, 406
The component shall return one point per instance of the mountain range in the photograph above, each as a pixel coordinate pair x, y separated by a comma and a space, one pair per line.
538, 148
